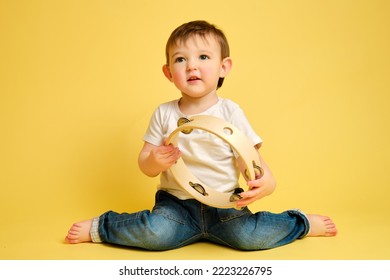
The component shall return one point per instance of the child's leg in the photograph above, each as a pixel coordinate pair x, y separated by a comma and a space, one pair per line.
166, 227
143, 230
264, 230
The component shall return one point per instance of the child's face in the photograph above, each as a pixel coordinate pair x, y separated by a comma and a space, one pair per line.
195, 66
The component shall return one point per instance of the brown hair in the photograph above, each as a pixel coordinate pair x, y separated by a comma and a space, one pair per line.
201, 28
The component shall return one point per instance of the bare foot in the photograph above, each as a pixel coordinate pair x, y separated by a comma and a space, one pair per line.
321, 226
79, 232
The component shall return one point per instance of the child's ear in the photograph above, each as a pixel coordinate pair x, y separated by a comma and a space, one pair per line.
167, 72
225, 67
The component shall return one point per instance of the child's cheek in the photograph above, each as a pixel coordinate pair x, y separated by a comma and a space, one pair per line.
179, 78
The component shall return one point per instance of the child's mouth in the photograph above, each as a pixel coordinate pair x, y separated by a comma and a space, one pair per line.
193, 78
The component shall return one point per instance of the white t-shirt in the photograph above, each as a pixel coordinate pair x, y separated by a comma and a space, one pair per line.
208, 157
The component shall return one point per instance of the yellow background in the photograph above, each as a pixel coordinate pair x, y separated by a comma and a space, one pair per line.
80, 79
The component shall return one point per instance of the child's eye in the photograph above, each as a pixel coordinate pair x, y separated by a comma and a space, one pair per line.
179, 59
204, 57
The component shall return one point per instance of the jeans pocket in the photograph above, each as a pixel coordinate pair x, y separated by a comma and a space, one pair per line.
226, 215
171, 215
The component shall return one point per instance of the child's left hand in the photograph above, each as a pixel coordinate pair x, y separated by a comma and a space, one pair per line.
258, 188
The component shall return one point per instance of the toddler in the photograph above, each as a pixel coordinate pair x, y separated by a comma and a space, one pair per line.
197, 61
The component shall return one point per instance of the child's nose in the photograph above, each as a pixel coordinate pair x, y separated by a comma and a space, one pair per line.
191, 65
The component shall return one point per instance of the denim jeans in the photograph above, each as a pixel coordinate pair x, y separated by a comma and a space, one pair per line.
174, 223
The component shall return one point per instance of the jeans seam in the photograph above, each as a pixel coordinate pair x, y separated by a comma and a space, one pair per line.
204, 229
236, 215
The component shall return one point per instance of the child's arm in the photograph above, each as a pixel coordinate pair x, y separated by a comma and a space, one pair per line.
259, 187
152, 160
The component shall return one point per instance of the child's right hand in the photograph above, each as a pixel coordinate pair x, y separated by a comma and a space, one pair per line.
165, 156
153, 160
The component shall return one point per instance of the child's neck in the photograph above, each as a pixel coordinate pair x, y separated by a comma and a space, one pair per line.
194, 106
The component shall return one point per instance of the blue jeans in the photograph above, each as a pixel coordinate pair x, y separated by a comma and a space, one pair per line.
174, 223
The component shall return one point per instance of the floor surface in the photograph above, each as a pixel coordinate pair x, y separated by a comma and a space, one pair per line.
360, 238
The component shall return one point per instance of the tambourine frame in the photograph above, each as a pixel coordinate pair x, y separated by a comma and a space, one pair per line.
231, 135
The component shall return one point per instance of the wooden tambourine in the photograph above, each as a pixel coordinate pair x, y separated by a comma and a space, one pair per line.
231, 135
